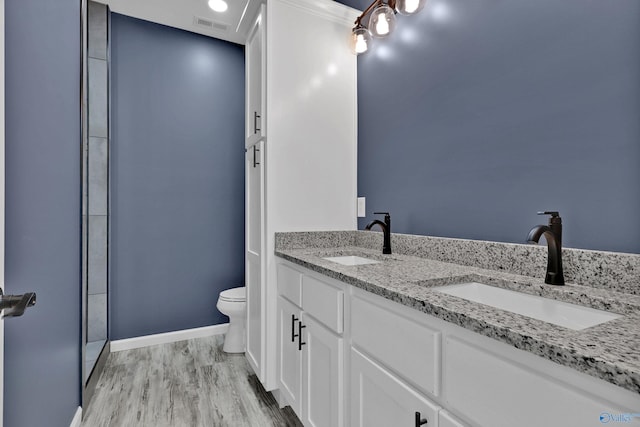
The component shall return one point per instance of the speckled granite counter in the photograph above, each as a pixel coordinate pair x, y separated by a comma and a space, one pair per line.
610, 351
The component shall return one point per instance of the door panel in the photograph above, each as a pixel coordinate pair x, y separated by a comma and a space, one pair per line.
378, 398
323, 370
290, 369
254, 269
255, 64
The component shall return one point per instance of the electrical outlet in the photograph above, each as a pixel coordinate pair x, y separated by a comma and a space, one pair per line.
361, 207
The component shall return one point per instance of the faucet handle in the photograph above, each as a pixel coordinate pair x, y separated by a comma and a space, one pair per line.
554, 214
555, 217
387, 216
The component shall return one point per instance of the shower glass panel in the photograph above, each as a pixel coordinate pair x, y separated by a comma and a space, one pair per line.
95, 192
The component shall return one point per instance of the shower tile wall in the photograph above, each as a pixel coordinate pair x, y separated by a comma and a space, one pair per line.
97, 163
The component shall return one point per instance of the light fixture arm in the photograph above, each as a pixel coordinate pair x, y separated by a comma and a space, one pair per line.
376, 3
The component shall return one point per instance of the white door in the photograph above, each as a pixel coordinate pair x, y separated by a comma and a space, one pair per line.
378, 398
1, 202
290, 369
254, 271
255, 82
323, 369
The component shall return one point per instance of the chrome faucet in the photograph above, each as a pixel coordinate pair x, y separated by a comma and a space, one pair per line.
553, 236
386, 230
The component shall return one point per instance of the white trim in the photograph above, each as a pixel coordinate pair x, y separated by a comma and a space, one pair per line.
77, 418
333, 11
168, 337
2, 206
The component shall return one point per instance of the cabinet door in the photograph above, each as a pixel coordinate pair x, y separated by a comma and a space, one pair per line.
254, 268
323, 367
496, 391
255, 49
290, 359
378, 398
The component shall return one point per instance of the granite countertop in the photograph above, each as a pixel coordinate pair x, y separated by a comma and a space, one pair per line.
610, 351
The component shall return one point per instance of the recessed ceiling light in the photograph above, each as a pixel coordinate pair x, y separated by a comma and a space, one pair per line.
218, 5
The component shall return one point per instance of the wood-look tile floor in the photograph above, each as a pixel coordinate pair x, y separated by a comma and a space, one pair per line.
189, 383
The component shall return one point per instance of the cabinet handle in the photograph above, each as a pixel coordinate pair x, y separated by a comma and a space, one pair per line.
256, 116
419, 420
300, 343
294, 319
255, 150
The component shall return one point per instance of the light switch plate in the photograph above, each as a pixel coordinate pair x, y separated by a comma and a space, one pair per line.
361, 207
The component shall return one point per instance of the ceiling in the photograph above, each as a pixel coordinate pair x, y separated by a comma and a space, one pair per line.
193, 15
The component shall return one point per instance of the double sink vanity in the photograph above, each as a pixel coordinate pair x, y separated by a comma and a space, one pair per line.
451, 332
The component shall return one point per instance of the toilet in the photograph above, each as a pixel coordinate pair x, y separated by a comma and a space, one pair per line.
233, 303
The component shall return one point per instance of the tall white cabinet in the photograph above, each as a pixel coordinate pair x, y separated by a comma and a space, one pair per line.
301, 125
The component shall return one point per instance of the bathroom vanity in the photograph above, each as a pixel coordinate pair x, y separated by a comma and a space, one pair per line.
378, 343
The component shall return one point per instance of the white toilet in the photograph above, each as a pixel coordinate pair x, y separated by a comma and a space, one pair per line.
233, 303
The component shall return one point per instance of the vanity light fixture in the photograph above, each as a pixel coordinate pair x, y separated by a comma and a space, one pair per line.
382, 21
218, 5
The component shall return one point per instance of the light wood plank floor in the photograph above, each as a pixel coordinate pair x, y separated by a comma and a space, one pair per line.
189, 383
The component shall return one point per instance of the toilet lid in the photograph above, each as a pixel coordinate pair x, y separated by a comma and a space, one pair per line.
234, 294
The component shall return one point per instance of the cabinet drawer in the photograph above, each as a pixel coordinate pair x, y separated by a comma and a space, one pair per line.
289, 284
497, 392
379, 398
324, 302
405, 346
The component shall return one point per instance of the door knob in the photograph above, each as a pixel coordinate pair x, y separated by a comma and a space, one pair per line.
15, 305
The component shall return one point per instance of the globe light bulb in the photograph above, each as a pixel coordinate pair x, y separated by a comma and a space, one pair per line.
360, 40
382, 21
382, 26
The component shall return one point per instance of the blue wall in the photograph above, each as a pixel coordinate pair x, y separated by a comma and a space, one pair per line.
475, 115
177, 177
42, 247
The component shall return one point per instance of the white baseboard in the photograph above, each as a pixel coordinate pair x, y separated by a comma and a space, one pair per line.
168, 337
77, 418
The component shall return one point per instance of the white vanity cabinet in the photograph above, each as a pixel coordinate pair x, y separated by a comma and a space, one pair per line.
311, 347
301, 127
400, 366
479, 381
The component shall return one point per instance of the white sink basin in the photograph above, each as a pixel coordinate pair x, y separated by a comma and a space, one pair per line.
351, 260
559, 313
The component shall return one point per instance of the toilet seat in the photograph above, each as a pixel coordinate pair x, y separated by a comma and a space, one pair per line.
234, 294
